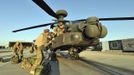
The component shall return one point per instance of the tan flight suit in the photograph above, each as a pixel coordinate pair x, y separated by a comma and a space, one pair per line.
58, 31
40, 43
32, 48
28, 62
18, 50
52, 35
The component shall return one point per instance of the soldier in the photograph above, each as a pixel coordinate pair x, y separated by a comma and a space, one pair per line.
41, 43
18, 51
52, 34
32, 48
60, 29
28, 62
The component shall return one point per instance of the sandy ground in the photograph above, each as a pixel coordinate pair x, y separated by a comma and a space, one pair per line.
114, 59
74, 67
4, 52
71, 67
12, 69
62, 67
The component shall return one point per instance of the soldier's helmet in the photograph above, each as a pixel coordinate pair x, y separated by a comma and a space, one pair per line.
46, 30
17, 42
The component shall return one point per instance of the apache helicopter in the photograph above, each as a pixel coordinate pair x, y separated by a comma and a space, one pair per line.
80, 33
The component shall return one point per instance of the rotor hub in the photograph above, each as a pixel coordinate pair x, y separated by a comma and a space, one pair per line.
61, 14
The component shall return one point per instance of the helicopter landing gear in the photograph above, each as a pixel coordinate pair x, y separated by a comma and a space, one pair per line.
73, 53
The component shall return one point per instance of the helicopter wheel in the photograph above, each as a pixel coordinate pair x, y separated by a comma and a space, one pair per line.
73, 53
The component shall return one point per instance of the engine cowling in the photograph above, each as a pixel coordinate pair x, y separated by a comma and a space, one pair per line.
94, 28
91, 28
103, 32
93, 31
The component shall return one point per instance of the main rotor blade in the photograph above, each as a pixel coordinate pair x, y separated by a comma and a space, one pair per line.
116, 18
109, 19
45, 7
32, 27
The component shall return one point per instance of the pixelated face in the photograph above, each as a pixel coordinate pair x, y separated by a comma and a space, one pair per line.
46, 31
61, 25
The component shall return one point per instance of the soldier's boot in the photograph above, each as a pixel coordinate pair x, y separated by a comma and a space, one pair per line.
20, 58
43, 69
32, 71
15, 59
25, 64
